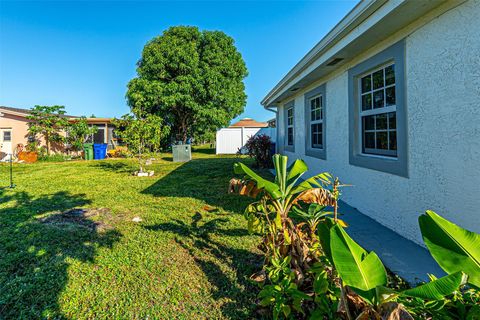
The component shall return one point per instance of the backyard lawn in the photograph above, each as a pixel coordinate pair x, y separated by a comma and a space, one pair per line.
189, 257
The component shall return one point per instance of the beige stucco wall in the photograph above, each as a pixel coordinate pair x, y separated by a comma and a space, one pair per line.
19, 127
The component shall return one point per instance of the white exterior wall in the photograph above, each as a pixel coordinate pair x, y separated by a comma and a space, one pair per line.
442, 80
229, 140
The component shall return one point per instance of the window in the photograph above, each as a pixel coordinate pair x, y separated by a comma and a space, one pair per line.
289, 126
7, 136
315, 122
377, 112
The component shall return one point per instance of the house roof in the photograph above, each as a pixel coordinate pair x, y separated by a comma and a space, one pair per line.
24, 112
17, 110
249, 123
368, 23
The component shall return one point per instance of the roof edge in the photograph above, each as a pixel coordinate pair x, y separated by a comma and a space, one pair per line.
352, 19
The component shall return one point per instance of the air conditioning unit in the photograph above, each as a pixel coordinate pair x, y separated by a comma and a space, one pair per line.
182, 152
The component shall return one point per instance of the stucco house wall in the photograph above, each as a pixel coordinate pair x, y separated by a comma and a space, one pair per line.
16, 121
442, 95
19, 127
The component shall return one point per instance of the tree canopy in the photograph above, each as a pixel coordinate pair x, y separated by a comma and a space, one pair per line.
143, 135
47, 121
192, 79
78, 132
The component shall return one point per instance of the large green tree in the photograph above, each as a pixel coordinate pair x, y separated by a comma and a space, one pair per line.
192, 79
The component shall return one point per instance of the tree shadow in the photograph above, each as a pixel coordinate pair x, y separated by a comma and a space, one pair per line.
211, 255
211, 242
204, 179
203, 150
36, 253
115, 166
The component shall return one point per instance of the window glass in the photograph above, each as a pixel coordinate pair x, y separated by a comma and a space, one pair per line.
366, 101
390, 96
290, 136
7, 136
367, 83
377, 79
317, 138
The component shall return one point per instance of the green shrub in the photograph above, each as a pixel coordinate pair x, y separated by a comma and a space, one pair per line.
313, 269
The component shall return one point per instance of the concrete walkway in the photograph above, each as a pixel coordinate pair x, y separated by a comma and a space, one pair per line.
402, 256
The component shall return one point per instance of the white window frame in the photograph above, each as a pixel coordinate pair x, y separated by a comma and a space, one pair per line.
316, 121
395, 54
289, 107
290, 126
10, 135
310, 150
377, 111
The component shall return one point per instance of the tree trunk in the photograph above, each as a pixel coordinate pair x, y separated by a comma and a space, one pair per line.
47, 143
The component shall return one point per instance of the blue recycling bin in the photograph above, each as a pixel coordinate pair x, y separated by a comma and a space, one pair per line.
99, 151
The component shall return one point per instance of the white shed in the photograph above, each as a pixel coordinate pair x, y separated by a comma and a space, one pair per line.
233, 138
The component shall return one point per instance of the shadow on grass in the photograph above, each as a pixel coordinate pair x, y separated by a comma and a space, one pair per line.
207, 253
207, 179
204, 179
203, 150
115, 166
33, 267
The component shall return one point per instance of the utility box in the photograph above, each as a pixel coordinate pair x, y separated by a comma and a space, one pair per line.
182, 152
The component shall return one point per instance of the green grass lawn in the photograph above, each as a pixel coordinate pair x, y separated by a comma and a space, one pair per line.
180, 262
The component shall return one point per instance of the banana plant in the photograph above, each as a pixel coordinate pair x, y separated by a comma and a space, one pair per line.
272, 215
364, 273
454, 248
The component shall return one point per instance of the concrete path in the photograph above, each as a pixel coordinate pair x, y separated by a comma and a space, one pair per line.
402, 256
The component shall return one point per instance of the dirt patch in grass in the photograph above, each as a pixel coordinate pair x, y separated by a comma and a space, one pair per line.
93, 219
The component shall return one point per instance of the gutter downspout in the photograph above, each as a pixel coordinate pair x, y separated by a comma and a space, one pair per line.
271, 109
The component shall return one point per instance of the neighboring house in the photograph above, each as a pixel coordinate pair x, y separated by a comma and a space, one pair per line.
14, 129
230, 140
272, 123
389, 101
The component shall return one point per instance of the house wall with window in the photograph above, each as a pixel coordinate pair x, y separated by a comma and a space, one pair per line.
401, 123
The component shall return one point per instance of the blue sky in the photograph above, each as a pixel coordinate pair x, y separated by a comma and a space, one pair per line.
82, 54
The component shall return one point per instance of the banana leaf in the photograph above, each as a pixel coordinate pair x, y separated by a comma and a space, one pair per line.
360, 270
280, 165
317, 181
454, 248
439, 288
295, 171
323, 232
270, 187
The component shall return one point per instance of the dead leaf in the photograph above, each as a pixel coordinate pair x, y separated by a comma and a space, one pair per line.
259, 277
394, 311
317, 195
209, 208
